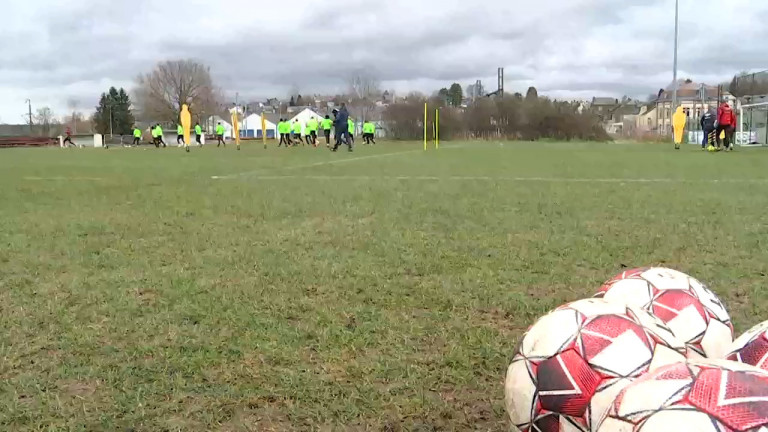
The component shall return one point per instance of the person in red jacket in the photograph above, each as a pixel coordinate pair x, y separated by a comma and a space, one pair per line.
68, 137
726, 121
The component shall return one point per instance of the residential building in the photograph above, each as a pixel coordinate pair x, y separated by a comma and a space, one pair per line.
617, 116
695, 98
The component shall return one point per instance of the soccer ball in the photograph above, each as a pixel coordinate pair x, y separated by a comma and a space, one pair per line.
693, 312
751, 347
711, 148
701, 396
572, 363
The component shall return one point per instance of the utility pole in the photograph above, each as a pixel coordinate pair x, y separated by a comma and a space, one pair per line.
674, 67
29, 104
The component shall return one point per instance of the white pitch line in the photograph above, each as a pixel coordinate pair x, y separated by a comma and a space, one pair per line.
510, 179
62, 178
316, 164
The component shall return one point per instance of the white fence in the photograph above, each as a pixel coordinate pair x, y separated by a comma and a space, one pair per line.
739, 138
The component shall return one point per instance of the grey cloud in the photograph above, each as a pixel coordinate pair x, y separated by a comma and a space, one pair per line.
610, 47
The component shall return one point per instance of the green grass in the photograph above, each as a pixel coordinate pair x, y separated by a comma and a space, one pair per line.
372, 293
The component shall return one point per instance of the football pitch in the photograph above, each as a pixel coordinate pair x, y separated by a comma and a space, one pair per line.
299, 289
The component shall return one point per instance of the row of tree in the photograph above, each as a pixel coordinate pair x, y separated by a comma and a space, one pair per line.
511, 117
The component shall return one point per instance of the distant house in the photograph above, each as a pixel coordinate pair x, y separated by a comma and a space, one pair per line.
603, 107
616, 115
647, 118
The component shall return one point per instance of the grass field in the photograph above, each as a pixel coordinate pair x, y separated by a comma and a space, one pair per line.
297, 289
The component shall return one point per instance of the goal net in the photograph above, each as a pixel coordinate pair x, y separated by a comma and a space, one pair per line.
752, 129
752, 91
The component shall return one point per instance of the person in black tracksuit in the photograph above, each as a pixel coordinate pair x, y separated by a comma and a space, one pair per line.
707, 126
342, 127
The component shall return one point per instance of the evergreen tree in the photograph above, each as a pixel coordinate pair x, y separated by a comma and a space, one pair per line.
443, 94
455, 95
113, 114
531, 95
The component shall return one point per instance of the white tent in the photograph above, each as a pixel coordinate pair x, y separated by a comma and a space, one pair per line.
251, 127
305, 115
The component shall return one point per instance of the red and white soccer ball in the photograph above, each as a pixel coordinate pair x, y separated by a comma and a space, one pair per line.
700, 395
573, 362
751, 347
691, 310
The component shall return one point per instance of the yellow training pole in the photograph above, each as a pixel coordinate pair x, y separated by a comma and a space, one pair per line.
264, 130
185, 119
437, 129
425, 126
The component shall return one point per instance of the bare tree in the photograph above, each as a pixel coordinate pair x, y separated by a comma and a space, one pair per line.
161, 92
45, 118
364, 90
72, 104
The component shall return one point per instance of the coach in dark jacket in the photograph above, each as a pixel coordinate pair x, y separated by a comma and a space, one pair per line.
707, 125
342, 129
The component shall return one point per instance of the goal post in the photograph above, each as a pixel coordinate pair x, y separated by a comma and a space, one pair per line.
753, 125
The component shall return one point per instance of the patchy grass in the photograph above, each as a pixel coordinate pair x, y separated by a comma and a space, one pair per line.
379, 290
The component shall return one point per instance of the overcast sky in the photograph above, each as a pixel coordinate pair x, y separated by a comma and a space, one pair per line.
65, 53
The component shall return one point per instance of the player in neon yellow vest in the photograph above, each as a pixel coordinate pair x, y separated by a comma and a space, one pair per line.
136, 135
179, 136
220, 135
313, 124
296, 127
369, 129
327, 125
198, 134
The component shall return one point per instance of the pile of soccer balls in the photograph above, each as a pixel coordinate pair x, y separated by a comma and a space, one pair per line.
653, 351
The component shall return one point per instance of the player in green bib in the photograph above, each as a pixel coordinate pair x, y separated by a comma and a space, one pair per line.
136, 136
312, 124
198, 134
351, 127
369, 129
281, 131
327, 125
296, 127
220, 135
179, 136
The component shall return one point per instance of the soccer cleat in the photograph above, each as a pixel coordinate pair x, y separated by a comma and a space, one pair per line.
187, 149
